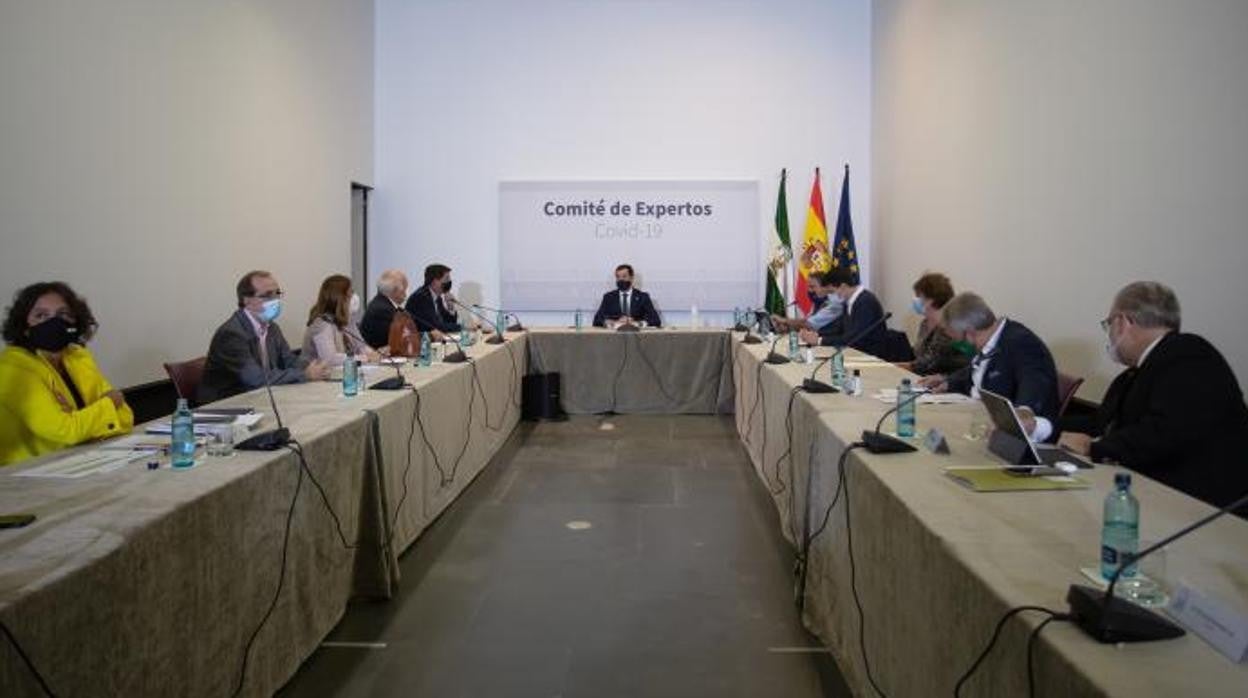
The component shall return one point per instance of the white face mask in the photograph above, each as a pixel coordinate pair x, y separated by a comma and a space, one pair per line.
1111, 348
354, 308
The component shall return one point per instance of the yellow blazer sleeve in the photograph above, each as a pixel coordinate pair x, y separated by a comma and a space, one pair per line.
46, 416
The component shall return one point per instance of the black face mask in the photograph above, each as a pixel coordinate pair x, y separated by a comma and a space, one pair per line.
623, 285
53, 334
446, 286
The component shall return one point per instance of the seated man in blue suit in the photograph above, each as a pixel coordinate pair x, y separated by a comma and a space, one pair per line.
1011, 361
862, 311
626, 305
432, 306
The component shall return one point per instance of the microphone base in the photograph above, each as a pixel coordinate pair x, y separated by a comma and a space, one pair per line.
776, 358
1119, 621
811, 385
458, 357
395, 383
266, 441
495, 339
876, 442
751, 339
740, 328
628, 328
515, 328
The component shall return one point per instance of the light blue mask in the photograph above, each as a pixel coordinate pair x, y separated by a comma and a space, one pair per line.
271, 310
917, 306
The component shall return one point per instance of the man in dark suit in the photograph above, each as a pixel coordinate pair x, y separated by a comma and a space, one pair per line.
1011, 361
626, 305
249, 346
861, 310
432, 306
391, 292
1177, 413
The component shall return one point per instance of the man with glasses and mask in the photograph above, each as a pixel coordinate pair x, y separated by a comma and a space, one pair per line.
627, 304
1176, 414
1010, 361
249, 349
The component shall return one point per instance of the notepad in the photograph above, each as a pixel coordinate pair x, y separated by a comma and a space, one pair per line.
997, 479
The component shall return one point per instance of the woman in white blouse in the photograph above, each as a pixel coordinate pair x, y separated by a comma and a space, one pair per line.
332, 332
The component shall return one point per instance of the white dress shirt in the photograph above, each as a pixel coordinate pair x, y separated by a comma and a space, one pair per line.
979, 367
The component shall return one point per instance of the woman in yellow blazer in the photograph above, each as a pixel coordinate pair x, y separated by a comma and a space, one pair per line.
52, 395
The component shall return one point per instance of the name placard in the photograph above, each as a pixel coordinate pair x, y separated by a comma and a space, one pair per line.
1220, 625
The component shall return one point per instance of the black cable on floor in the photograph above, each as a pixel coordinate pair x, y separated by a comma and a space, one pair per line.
996, 634
277, 593
43, 684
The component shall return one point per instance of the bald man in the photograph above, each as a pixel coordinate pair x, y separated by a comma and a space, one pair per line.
391, 292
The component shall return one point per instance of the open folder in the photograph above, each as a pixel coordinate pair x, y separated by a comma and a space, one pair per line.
999, 479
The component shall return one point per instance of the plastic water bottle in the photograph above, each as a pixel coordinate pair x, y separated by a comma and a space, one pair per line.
580, 320
905, 409
855, 383
838, 370
1120, 532
350, 377
736, 317
182, 442
426, 350
795, 351
500, 322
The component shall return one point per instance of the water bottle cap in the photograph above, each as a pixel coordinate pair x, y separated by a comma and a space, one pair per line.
181, 403
905, 381
1122, 480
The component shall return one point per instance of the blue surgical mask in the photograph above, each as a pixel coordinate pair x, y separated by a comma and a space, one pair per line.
271, 310
917, 306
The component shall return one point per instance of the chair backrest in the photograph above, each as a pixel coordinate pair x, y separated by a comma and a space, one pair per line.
186, 376
1067, 386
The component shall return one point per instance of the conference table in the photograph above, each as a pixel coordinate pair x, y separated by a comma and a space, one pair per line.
145, 582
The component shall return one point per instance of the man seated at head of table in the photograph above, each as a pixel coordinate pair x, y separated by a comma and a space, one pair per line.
248, 349
1011, 361
626, 304
52, 394
862, 313
934, 350
826, 308
1176, 414
391, 293
331, 333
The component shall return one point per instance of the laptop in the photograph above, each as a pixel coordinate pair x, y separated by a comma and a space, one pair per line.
1011, 442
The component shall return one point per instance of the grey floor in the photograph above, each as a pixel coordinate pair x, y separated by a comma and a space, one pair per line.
679, 586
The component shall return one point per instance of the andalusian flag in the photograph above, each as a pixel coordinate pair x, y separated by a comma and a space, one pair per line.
844, 252
814, 255
779, 256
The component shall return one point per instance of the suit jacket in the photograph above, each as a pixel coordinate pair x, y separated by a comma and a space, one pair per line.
420, 305
1021, 369
38, 413
865, 311
375, 325
640, 308
234, 364
1179, 418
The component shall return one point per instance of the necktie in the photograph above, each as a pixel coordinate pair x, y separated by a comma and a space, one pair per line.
627, 296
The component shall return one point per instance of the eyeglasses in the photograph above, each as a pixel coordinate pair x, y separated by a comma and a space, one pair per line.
270, 295
1107, 322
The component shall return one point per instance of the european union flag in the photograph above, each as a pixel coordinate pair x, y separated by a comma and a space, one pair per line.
844, 253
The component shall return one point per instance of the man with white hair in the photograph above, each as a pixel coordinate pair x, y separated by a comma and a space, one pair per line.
1176, 414
391, 293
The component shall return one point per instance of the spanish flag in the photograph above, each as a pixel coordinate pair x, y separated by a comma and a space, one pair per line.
814, 256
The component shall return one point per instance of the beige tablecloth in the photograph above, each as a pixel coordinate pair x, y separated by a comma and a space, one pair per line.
937, 564
654, 371
149, 583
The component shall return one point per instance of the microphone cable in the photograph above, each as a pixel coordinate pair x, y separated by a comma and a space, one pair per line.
996, 634
658, 380
43, 684
788, 451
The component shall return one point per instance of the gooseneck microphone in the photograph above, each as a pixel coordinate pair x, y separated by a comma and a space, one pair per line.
877, 442
273, 439
496, 337
772, 356
811, 385
395, 383
1109, 619
514, 327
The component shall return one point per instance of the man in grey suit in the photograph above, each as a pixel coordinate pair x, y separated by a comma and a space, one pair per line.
249, 345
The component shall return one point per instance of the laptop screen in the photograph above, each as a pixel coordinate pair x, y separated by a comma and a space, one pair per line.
1005, 418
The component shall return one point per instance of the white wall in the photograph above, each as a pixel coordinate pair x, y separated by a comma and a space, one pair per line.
471, 93
1047, 153
152, 151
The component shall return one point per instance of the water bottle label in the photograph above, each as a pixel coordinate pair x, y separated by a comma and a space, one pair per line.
1109, 556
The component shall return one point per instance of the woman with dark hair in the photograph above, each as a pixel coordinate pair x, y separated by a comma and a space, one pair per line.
52, 395
934, 351
332, 331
